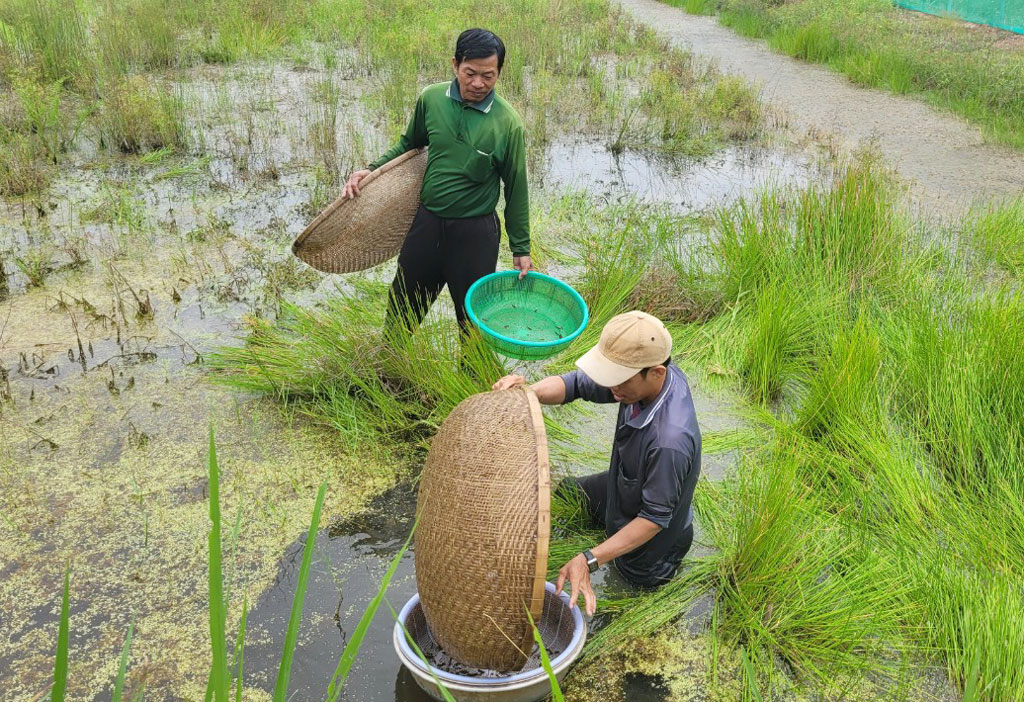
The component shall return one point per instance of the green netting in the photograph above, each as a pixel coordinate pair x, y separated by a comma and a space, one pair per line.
1005, 14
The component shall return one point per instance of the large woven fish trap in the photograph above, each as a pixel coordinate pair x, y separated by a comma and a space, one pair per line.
485, 521
354, 234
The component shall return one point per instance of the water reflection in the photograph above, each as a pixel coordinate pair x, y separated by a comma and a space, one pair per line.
685, 184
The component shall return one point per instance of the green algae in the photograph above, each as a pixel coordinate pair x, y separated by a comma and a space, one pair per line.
104, 468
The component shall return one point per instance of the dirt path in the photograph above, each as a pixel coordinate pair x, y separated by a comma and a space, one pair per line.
941, 157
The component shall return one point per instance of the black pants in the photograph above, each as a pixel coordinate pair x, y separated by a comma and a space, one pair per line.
595, 493
437, 251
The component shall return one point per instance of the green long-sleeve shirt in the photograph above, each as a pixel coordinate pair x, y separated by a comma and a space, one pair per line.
472, 146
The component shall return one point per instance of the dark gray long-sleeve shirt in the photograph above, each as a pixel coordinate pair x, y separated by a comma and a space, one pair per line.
655, 464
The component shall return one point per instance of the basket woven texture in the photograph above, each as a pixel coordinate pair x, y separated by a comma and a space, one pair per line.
539, 310
485, 521
362, 232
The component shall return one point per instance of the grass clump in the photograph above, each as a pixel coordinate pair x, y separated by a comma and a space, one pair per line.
998, 233
24, 168
961, 386
51, 36
779, 345
955, 66
137, 116
796, 584
861, 535
334, 364
43, 108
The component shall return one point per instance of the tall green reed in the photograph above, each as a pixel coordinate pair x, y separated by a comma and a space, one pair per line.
348, 656
60, 668
219, 680
295, 618
545, 661
122, 666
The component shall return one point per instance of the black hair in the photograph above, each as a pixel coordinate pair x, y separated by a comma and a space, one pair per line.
643, 371
479, 43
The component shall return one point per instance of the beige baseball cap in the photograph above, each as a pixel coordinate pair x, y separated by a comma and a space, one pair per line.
629, 342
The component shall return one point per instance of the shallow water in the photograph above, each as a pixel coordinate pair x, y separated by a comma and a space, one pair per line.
686, 185
349, 561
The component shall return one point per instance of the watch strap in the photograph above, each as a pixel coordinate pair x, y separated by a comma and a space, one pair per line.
592, 563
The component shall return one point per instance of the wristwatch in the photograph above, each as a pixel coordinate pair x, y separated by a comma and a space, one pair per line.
591, 560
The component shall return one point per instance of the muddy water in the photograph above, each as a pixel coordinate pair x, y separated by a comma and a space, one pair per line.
685, 185
350, 559
943, 158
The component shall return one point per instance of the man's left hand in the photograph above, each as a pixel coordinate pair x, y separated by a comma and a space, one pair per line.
578, 575
523, 264
509, 382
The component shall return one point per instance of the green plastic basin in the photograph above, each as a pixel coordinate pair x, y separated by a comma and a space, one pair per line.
528, 319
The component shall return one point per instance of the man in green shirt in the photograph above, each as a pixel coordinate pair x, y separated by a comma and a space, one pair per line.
475, 139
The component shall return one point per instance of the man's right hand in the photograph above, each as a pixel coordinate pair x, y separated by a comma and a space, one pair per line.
352, 186
509, 382
578, 575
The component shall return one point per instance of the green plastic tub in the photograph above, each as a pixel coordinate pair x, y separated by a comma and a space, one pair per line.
528, 319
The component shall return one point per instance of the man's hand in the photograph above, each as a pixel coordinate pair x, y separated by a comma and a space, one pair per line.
523, 264
578, 574
509, 382
352, 186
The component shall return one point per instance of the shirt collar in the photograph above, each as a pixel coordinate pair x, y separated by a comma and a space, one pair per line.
482, 106
647, 413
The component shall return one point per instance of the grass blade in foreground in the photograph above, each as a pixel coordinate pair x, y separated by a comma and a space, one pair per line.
285, 671
123, 666
348, 656
240, 649
415, 647
60, 668
556, 690
752, 692
219, 670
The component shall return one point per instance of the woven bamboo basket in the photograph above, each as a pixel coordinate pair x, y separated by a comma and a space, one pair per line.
485, 521
354, 234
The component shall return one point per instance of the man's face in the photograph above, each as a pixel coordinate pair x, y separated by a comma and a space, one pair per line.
639, 387
476, 77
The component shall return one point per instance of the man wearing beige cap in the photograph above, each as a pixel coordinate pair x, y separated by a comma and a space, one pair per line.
644, 498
